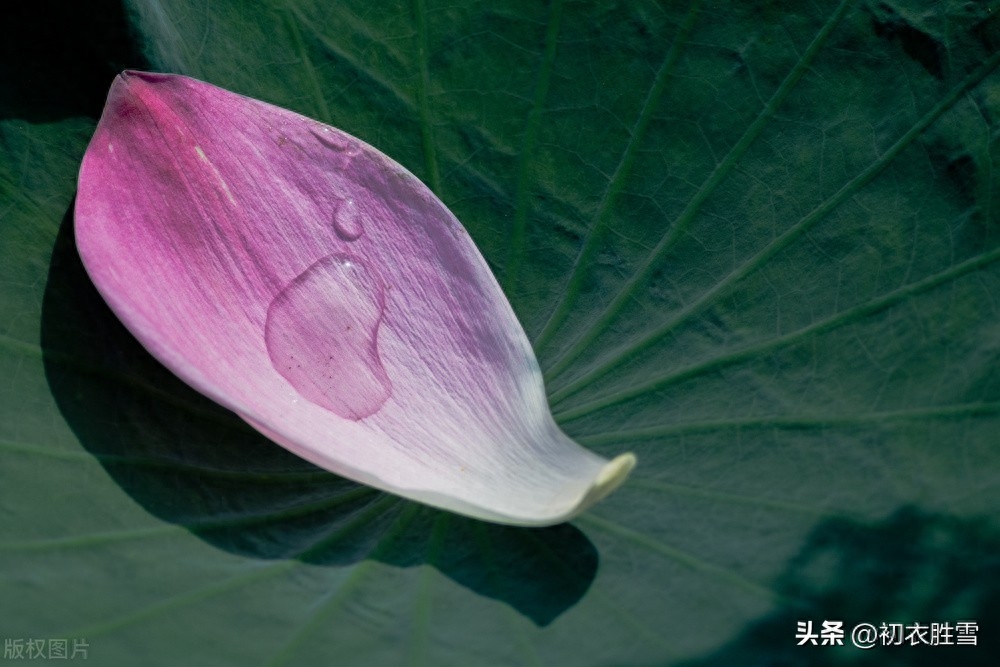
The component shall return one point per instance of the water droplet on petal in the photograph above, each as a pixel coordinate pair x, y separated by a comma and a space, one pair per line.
347, 146
335, 141
322, 336
347, 220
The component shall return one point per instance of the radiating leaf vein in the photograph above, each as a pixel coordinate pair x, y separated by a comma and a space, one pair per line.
710, 296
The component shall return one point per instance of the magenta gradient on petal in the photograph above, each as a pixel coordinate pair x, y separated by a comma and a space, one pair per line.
315, 287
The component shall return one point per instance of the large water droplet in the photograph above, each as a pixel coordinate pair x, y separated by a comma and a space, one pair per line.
347, 220
322, 336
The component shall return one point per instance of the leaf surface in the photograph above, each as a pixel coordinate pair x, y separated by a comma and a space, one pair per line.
754, 243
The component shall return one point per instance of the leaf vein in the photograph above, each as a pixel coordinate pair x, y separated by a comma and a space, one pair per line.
686, 217
851, 315
785, 239
617, 181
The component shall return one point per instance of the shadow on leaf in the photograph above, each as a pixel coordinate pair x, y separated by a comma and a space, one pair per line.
914, 567
57, 58
191, 462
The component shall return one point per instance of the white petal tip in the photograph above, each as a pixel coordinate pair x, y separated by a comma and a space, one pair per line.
608, 479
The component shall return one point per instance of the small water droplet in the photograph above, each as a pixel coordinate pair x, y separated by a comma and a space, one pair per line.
322, 336
333, 140
347, 220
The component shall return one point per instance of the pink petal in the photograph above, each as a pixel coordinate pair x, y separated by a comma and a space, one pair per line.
315, 287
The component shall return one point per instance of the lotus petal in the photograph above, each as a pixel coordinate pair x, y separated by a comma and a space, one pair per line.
315, 287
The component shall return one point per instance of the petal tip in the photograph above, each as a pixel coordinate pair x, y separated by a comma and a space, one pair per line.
615, 472
611, 476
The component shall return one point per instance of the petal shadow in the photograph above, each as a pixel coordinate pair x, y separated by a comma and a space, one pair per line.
58, 58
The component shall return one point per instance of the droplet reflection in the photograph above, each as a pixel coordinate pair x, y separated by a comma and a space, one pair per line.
322, 336
347, 220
